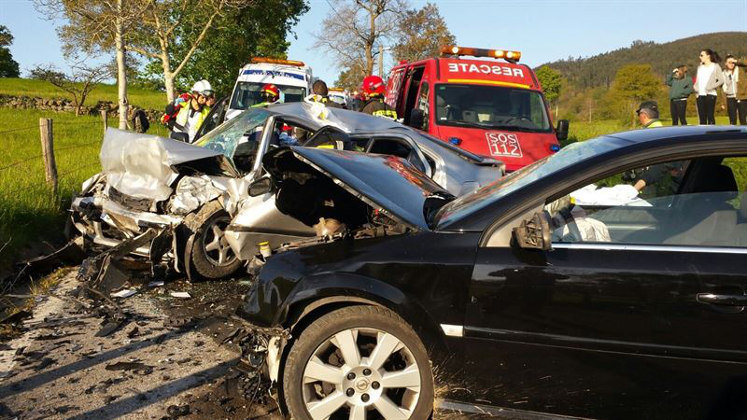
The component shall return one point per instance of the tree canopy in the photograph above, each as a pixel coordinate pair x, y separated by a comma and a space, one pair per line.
237, 36
8, 66
551, 81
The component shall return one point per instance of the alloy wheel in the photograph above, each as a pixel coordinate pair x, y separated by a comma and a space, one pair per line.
361, 373
217, 250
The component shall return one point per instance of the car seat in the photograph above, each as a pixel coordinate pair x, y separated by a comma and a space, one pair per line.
706, 214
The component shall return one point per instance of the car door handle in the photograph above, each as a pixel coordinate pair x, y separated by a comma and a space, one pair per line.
717, 299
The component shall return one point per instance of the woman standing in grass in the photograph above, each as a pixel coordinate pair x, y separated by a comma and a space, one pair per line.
731, 81
680, 87
708, 79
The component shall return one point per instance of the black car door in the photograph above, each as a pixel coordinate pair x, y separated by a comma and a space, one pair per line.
635, 326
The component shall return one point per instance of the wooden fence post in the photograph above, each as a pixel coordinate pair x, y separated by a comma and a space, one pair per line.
103, 117
47, 145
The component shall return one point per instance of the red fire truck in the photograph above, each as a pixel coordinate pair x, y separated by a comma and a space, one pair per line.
491, 106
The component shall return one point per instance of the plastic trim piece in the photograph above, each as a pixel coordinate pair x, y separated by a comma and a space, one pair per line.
649, 248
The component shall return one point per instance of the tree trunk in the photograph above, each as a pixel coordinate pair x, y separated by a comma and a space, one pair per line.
369, 60
168, 81
168, 77
121, 68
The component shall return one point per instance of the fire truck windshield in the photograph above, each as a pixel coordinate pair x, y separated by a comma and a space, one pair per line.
246, 94
481, 106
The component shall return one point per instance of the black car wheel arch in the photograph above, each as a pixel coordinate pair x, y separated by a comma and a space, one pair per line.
302, 314
336, 305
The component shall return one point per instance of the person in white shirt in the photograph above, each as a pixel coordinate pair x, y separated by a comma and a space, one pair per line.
708, 79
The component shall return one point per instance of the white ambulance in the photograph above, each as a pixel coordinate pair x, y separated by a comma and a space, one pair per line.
293, 79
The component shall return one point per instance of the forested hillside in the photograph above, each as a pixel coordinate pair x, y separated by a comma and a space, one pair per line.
599, 70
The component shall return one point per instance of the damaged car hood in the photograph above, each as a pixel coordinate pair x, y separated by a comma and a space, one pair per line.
145, 166
386, 183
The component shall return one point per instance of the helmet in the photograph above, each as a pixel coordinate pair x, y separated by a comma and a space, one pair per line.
203, 88
269, 93
373, 85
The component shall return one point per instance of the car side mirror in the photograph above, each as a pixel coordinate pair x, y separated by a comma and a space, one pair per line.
417, 118
260, 187
534, 233
562, 131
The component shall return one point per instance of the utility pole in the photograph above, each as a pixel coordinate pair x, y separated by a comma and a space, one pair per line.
381, 61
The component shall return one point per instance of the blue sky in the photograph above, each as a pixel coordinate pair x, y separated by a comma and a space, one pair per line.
543, 30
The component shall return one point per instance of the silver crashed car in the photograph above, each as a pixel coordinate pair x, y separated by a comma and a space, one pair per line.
186, 196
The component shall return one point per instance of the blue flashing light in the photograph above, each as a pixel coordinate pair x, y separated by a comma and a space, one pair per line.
554, 147
456, 141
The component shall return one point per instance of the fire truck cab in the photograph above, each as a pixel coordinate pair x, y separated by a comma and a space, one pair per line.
489, 105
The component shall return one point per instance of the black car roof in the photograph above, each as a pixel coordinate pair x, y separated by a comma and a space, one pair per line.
660, 133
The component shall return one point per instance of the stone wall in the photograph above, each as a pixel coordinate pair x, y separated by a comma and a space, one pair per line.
66, 105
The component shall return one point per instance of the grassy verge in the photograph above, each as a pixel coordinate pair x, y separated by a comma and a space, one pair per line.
147, 99
584, 130
29, 210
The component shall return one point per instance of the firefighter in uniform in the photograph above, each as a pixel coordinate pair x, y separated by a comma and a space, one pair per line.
269, 95
373, 88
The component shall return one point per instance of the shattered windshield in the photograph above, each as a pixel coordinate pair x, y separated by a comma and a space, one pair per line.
491, 107
542, 168
239, 137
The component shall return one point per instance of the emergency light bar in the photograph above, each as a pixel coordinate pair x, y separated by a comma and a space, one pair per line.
512, 56
257, 60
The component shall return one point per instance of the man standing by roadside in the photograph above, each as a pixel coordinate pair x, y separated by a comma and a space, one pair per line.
680, 87
648, 114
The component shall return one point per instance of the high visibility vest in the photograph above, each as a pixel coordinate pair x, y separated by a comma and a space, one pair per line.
183, 117
654, 124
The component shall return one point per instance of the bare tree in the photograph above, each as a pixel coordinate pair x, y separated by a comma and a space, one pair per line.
156, 35
354, 27
98, 26
79, 84
421, 34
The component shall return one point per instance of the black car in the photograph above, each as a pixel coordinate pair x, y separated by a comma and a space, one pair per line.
605, 281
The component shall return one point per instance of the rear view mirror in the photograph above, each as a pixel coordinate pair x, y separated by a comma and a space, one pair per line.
417, 119
562, 131
534, 233
260, 187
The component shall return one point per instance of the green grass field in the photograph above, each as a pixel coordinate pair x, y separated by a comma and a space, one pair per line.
147, 99
584, 130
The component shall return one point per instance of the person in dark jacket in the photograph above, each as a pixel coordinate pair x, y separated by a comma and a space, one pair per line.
373, 87
680, 88
321, 94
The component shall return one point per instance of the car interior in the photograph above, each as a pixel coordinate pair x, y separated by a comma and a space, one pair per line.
702, 205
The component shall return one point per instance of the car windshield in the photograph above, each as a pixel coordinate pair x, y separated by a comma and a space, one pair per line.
542, 168
238, 138
246, 94
489, 107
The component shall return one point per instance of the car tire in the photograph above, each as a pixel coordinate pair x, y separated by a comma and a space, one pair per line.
390, 373
210, 256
